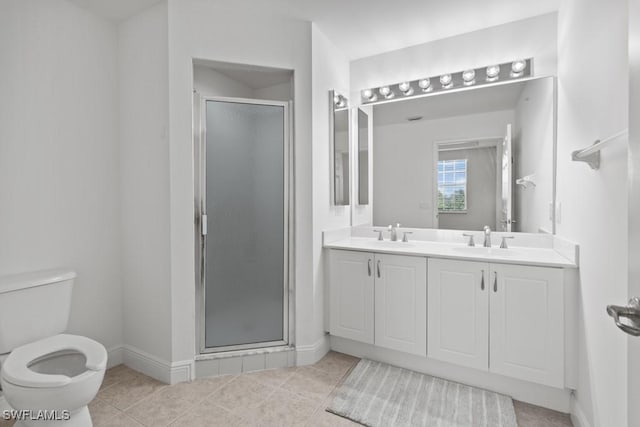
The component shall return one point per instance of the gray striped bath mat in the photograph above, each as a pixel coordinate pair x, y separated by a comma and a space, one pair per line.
376, 394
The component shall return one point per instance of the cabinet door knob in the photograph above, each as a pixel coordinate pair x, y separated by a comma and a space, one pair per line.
378, 265
482, 281
369, 267
495, 282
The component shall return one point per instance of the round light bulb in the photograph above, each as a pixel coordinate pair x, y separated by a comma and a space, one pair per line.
337, 99
386, 92
405, 88
446, 81
425, 84
517, 68
369, 95
469, 77
493, 71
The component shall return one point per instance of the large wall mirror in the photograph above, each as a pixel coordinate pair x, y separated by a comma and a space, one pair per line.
468, 158
339, 142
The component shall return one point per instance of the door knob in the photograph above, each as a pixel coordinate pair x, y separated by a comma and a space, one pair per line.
631, 312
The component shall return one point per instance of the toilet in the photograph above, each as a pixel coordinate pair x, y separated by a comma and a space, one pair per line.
45, 374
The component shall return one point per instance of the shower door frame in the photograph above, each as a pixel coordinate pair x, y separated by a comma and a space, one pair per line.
200, 179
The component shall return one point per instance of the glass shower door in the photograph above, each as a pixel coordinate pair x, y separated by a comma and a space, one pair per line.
245, 247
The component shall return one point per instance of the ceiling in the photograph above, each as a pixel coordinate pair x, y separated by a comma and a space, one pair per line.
364, 28
460, 103
116, 10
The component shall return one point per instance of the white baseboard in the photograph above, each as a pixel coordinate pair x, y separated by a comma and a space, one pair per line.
578, 417
152, 366
115, 356
310, 354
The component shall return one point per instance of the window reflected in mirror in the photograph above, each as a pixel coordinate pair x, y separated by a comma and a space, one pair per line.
452, 185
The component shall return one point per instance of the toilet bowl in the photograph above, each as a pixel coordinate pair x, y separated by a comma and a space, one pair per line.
54, 378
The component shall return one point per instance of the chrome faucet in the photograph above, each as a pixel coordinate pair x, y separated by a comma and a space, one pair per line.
393, 232
487, 236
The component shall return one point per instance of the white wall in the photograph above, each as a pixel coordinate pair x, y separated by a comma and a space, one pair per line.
330, 70
144, 181
403, 163
534, 37
199, 29
593, 48
209, 82
278, 92
59, 155
533, 143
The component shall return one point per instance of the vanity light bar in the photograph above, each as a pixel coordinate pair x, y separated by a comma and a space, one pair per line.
517, 69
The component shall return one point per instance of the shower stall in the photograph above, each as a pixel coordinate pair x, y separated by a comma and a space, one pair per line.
243, 164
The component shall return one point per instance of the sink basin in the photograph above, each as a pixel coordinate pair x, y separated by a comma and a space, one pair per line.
482, 251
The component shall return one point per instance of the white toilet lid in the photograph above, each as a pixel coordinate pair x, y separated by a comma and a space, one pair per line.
16, 369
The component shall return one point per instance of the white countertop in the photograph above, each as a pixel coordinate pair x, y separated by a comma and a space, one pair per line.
546, 257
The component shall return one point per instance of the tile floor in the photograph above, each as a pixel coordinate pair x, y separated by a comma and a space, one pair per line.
279, 397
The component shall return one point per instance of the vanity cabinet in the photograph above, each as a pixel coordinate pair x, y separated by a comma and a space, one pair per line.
379, 299
527, 323
505, 319
401, 303
458, 305
352, 295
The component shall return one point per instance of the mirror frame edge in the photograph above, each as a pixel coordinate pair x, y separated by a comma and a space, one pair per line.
332, 152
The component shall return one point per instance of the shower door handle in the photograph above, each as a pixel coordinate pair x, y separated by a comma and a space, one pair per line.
203, 224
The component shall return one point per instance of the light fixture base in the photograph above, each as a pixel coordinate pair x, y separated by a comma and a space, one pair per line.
482, 76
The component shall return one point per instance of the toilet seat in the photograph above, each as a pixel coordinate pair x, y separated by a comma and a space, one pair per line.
15, 369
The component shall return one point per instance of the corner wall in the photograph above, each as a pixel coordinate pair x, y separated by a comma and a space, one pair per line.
330, 70
144, 187
593, 104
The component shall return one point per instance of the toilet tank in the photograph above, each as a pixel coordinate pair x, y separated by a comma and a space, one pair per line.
33, 306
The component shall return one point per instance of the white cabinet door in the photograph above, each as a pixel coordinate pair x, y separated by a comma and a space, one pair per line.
458, 315
401, 303
351, 294
527, 323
